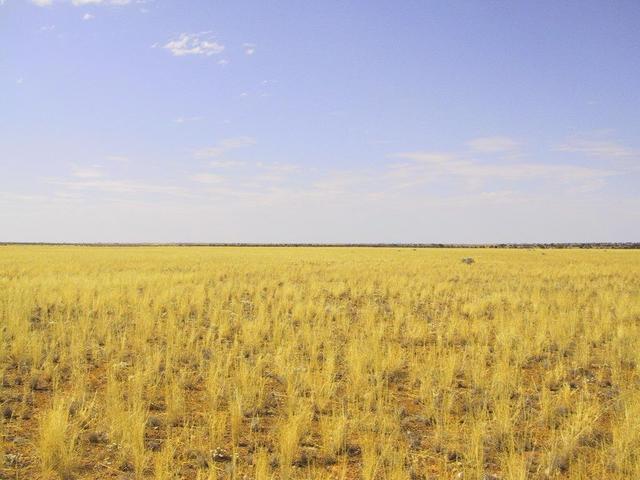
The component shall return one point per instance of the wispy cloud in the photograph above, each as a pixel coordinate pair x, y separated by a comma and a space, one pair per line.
493, 144
426, 165
194, 44
88, 16
20, 197
207, 178
249, 48
117, 158
596, 147
117, 186
87, 172
425, 157
226, 163
279, 167
81, 3
224, 146
458, 175
187, 119
413, 177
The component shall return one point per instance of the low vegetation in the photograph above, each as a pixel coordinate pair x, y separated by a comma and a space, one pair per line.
373, 363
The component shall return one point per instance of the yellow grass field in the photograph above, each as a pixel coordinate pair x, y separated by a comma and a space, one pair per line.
312, 363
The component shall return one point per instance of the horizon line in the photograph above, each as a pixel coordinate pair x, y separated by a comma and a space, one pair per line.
506, 245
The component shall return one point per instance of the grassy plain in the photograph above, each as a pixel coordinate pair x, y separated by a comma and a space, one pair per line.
174, 362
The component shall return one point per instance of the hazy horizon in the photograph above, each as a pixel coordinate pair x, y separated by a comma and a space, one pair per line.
127, 121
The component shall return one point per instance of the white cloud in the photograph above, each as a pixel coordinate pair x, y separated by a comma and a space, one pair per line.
187, 119
460, 171
117, 158
47, 28
422, 167
249, 48
19, 197
277, 172
437, 164
594, 147
226, 163
499, 195
81, 3
493, 144
88, 16
117, 186
225, 146
278, 167
207, 178
87, 172
412, 175
425, 157
193, 44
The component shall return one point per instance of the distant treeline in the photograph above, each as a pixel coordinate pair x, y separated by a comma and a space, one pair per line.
623, 245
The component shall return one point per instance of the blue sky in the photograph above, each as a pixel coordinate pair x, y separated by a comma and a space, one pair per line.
332, 121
